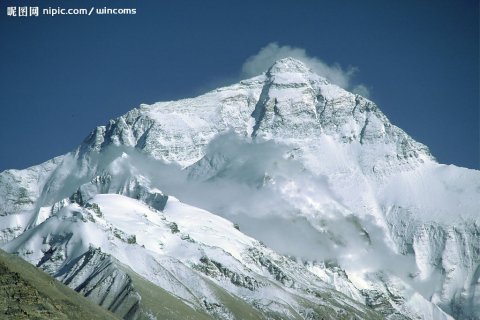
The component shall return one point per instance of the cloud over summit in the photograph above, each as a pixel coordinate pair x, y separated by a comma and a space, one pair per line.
263, 59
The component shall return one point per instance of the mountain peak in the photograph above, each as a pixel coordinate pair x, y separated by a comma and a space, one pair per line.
288, 65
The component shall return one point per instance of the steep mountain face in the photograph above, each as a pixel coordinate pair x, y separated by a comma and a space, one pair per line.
362, 220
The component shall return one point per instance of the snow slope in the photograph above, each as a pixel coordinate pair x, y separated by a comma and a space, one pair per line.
193, 255
316, 173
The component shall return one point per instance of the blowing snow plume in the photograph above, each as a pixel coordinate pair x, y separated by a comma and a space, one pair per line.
334, 73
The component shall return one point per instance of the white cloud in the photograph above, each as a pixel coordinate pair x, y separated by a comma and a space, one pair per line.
361, 90
261, 61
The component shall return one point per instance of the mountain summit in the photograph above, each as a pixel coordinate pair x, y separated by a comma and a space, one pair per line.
282, 196
288, 65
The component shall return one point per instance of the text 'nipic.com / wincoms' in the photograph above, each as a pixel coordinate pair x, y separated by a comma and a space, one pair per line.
26, 11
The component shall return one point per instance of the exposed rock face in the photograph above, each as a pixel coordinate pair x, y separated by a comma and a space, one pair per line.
99, 278
367, 209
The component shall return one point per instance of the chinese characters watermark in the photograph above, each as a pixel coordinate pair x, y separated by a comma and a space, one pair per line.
22, 11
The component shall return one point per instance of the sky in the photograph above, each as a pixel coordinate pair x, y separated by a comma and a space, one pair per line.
61, 76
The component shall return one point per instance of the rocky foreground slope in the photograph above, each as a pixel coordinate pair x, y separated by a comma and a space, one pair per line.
304, 201
28, 293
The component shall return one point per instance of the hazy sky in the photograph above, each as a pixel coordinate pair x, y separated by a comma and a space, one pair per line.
62, 76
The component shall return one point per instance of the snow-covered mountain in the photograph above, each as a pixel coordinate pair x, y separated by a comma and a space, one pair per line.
282, 196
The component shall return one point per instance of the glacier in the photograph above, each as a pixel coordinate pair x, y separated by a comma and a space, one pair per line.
281, 196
